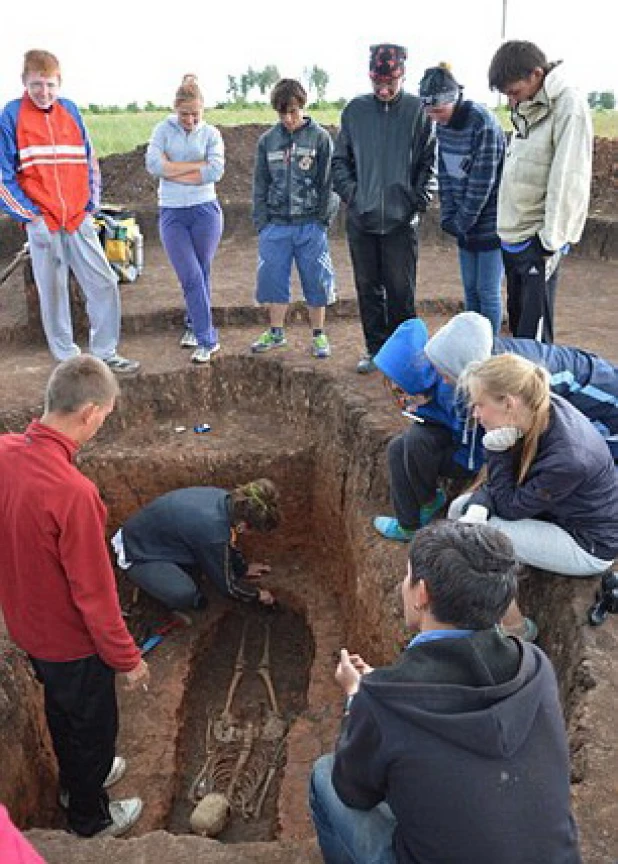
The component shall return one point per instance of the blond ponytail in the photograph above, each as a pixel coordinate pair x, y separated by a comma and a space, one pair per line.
511, 375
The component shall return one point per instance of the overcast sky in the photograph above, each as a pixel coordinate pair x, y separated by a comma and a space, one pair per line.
134, 51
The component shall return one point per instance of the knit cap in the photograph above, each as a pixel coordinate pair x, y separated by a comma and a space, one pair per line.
467, 337
438, 87
403, 360
387, 62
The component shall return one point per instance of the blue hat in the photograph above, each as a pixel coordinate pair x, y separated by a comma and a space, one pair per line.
402, 358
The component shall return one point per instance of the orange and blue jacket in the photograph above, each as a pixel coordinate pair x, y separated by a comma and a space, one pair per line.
47, 164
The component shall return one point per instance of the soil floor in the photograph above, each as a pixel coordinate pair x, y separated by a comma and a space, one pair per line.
587, 316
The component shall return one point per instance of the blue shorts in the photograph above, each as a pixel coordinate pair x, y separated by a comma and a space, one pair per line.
278, 247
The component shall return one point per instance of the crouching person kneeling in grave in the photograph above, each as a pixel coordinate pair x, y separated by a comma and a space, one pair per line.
171, 545
457, 751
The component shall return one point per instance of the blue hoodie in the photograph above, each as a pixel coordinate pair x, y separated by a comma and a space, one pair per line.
402, 359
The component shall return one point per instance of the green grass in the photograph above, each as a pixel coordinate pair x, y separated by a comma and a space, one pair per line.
122, 132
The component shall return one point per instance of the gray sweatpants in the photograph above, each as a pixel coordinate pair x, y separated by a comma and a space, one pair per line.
541, 544
53, 255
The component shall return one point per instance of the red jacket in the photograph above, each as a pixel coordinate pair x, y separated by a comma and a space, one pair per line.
57, 586
47, 164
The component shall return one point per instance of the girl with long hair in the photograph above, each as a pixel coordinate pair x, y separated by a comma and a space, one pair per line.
551, 484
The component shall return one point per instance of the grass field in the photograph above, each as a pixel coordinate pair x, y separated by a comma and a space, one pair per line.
120, 133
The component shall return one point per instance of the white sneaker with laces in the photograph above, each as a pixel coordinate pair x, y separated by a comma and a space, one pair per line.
125, 814
116, 773
203, 354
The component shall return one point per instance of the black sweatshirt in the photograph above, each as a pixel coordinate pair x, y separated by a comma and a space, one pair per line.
465, 740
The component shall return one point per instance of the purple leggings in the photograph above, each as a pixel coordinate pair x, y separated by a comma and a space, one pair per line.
190, 236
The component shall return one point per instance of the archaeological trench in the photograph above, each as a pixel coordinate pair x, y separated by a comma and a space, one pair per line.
243, 700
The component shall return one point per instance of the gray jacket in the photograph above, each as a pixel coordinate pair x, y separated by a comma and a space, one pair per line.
292, 180
545, 186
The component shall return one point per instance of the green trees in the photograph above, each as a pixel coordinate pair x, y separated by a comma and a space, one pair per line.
603, 99
317, 79
238, 89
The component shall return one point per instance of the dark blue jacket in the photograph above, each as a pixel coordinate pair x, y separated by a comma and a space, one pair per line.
572, 482
191, 528
465, 740
588, 382
447, 410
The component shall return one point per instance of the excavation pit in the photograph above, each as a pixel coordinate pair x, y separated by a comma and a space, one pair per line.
322, 441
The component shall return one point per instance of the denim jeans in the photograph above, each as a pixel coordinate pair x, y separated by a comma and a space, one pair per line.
481, 274
347, 835
541, 544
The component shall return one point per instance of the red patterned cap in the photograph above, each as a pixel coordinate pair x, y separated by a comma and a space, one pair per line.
387, 62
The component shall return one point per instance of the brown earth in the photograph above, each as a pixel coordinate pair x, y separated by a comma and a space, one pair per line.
320, 431
126, 181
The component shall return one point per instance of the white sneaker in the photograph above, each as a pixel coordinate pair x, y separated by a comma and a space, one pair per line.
125, 814
189, 339
116, 773
203, 354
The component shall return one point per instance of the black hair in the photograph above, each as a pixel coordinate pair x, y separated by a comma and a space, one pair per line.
514, 61
470, 572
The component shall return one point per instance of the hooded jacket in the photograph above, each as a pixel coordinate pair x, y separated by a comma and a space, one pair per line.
384, 163
587, 381
465, 740
292, 182
545, 188
402, 358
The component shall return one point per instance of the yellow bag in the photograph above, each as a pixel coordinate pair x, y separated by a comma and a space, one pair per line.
117, 251
122, 242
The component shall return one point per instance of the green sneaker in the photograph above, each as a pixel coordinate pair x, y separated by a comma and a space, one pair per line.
429, 510
268, 341
320, 346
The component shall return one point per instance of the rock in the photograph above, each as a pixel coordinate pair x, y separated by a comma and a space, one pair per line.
210, 815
